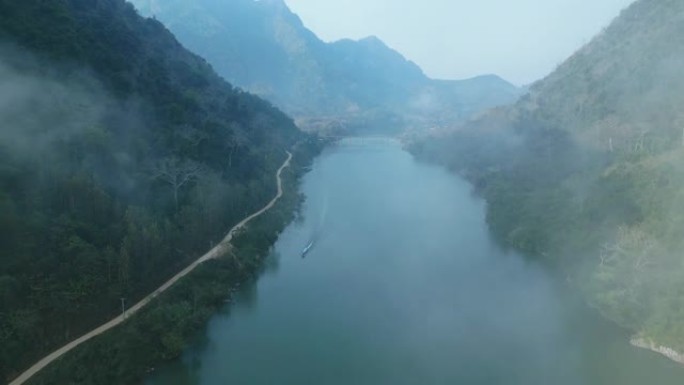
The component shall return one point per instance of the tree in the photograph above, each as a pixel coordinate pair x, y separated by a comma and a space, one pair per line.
176, 173
235, 142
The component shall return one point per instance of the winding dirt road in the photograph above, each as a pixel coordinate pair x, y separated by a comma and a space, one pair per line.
213, 253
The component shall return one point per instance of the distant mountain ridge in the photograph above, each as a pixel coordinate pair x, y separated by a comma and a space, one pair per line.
264, 48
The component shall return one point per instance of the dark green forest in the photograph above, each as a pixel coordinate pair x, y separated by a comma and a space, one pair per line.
585, 172
160, 332
123, 158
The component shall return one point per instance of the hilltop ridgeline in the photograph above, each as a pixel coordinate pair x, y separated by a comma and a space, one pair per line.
342, 87
586, 171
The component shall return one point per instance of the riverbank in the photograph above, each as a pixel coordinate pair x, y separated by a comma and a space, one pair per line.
648, 344
166, 320
404, 290
215, 252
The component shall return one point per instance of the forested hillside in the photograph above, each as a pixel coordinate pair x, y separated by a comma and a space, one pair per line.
587, 170
123, 157
344, 86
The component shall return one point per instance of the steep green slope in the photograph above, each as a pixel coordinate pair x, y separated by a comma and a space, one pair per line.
123, 157
587, 170
346, 85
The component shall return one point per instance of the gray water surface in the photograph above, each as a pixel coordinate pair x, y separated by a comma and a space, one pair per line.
405, 286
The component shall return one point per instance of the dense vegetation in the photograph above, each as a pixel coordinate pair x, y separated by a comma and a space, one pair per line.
586, 171
161, 331
122, 158
357, 86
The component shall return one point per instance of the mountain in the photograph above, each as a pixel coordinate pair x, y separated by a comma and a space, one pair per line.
123, 156
346, 85
587, 170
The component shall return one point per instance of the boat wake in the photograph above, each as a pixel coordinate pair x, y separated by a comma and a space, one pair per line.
307, 249
318, 228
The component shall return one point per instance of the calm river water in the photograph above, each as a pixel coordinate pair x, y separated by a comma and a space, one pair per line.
403, 285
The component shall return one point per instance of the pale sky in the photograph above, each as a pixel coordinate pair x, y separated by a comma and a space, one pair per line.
520, 40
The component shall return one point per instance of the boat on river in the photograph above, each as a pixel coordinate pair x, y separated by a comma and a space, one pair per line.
307, 249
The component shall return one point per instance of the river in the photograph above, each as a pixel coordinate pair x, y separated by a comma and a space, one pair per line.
404, 285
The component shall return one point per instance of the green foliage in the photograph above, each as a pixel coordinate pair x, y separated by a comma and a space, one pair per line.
586, 171
164, 328
102, 97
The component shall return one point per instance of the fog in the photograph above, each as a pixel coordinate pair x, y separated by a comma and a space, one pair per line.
585, 172
36, 110
521, 41
64, 120
517, 235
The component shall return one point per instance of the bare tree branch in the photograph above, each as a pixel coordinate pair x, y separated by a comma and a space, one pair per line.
176, 173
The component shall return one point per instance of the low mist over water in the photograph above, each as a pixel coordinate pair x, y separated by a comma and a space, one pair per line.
403, 285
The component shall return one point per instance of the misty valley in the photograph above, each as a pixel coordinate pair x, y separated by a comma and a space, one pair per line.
209, 192
393, 295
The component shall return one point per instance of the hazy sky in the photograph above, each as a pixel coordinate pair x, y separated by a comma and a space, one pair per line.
520, 40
